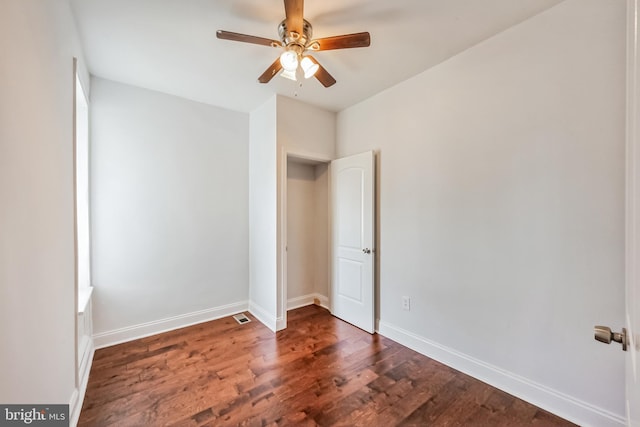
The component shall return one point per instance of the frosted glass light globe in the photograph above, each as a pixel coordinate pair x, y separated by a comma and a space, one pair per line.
309, 67
289, 60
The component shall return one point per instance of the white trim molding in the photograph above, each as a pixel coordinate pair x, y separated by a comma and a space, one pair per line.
561, 404
75, 405
263, 316
77, 398
309, 299
109, 338
632, 212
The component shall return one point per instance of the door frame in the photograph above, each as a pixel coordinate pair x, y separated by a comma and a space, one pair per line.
631, 205
282, 297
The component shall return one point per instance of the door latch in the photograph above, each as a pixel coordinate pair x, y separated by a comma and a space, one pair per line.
366, 251
604, 334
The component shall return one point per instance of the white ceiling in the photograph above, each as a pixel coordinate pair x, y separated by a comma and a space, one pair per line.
171, 46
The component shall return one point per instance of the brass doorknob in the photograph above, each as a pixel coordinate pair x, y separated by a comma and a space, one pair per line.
604, 334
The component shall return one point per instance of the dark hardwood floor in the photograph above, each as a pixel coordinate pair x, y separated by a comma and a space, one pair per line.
319, 371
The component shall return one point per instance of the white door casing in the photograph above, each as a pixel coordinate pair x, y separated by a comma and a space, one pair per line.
352, 278
632, 233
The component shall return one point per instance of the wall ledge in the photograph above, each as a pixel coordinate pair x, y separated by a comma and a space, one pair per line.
563, 405
84, 296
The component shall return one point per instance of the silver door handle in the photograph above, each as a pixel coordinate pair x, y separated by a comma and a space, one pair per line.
604, 334
366, 251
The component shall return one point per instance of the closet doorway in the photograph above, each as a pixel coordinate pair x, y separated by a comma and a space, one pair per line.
308, 272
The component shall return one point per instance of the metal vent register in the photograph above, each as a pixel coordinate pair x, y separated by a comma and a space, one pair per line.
241, 318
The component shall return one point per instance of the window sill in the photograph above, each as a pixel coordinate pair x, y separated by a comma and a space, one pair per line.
84, 296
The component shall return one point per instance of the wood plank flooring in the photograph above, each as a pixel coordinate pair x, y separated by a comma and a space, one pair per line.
320, 371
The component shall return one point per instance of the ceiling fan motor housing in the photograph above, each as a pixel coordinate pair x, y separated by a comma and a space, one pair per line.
291, 38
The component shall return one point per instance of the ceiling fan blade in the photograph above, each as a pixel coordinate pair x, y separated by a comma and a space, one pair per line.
271, 71
322, 74
294, 10
346, 41
237, 37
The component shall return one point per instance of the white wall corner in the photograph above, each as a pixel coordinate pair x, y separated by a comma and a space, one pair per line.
563, 405
109, 338
309, 299
324, 301
263, 316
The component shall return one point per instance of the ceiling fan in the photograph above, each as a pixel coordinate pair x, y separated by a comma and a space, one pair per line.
296, 39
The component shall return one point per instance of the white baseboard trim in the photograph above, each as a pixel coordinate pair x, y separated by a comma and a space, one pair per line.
565, 406
263, 316
75, 404
109, 338
305, 300
74, 408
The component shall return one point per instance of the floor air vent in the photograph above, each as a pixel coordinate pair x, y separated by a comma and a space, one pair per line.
241, 318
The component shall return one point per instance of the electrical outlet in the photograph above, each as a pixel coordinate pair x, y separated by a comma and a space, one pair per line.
406, 303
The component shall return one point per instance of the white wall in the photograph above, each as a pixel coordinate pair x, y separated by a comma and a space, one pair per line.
280, 126
303, 131
263, 213
169, 190
37, 308
501, 207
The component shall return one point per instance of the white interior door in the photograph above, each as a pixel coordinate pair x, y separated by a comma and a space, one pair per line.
633, 219
352, 201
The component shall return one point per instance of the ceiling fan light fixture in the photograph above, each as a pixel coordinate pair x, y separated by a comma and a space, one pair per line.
296, 39
289, 60
288, 74
309, 66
